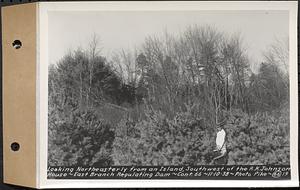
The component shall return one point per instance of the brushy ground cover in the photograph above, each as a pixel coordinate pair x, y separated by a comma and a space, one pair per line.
85, 139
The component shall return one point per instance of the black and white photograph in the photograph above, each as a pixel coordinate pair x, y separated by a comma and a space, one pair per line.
168, 91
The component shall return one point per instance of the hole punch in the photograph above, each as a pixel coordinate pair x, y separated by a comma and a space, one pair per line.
17, 44
15, 146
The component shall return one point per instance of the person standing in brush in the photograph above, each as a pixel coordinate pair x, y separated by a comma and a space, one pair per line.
221, 150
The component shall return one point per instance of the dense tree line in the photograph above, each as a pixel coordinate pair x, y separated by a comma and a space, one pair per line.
158, 104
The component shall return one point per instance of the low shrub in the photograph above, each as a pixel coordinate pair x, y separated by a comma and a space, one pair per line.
262, 138
160, 141
80, 139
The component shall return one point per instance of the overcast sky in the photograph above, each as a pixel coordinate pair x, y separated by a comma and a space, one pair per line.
69, 30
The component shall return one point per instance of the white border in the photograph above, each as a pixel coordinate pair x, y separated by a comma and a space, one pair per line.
42, 89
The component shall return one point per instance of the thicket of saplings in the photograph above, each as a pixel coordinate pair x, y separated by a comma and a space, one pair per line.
158, 104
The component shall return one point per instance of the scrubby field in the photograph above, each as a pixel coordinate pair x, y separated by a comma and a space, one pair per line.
159, 104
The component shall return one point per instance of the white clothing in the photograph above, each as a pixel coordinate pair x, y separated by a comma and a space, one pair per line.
220, 141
